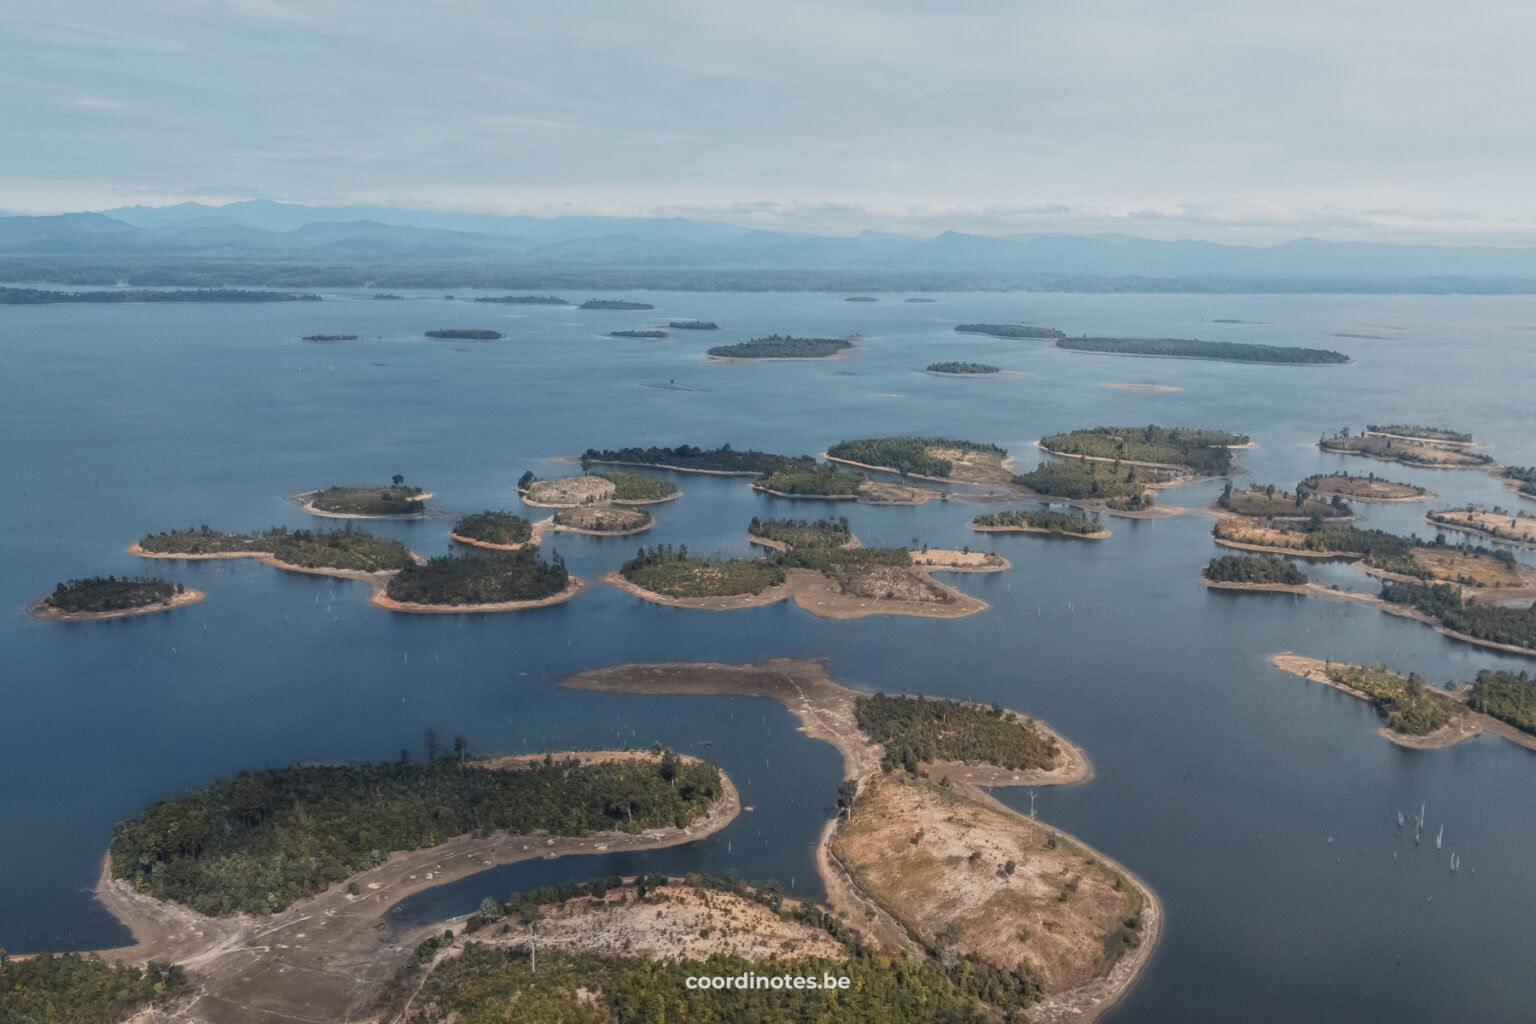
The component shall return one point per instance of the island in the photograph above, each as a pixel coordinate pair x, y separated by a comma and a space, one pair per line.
1198, 452
783, 534
638, 334
963, 369
525, 300
1521, 478
1012, 331
1060, 524
1191, 348
1266, 501
693, 325
1253, 572
497, 530
1517, 527
919, 298
1367, 487
338, 552
1126, 490
199, 542
366, 502
861, 298
466, 334
330, 337
812, 482
111, 597
614, 304
596, 488
1312, 538
926, 865
685, 458
494, 582
776, 346
603, 520
943, 459
1412, 452
1432, 435
387, 295
1498, 702
36, 296
668, 575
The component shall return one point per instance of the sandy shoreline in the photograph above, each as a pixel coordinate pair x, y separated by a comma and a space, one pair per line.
135, 549
40, 609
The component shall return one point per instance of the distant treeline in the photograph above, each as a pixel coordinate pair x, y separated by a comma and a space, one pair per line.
258, 841
694, 325
1253, 569
1443, 602
637, 334
1012, 331
462, 334
615, 304
1190, 348
962, 367
35, 296
776, 346
724, 459
526, 300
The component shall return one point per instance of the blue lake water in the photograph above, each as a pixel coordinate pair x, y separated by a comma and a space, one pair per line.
1220, 779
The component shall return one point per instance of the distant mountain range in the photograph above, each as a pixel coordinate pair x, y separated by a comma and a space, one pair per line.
265, 232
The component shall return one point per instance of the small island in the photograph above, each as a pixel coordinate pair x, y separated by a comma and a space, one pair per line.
603, 520
36, 296
783, 534
1367, 487
497, 530
930, 458
493, 582
1266, 501
366, 502
1044, 521
1412, 452
964, 369
776, 346
649, 334
617, 486
676, 578
465, 334
1128, 490
330, 337
693, 325
685, 458
525, 300
1511, 527
1200, 452
110, 597
1191, 348
861, 298
1432, 435
614, 304
919, 298
812, 482
346, 552
1012, 331
1257, 572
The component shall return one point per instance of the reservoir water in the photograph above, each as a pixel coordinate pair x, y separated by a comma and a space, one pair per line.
1260, 807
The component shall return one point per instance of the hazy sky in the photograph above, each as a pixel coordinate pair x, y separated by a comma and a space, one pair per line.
1394, 120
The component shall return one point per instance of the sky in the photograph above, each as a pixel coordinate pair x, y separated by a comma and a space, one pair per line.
1228, 120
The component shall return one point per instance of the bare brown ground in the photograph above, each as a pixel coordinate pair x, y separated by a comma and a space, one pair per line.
1095, 535
912, 592
1366, 489
967, 466
135, 549
1510, 527
881, 911
1480, 576
1418, 453
941, 560
568, 492
778, 545
603, 520
303, 498
1246, 534
880, 492
325, 958
42, 610
1464, 726
1435, 442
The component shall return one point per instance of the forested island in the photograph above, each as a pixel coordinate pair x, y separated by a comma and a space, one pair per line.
861, 298
75, 989
396, 500
1122, 488
1253, 570
258, 841
493, 529
489, 581
1430, 454
1366, 487
1411, 706
347, 550
1522, 477
614, 304
111, 596
525, 300
814, 481
963, 368
330, 337
801, 533
1443, 603
596, 488
203, 542
1205, 452
465, 334
1316, 538
1039, 521
649, 334
1011, 331
1266, 501
914, 730
776, 346
1191, 348
693, 325
672, 572
693, 459
937, 457
35, 296
1415, 432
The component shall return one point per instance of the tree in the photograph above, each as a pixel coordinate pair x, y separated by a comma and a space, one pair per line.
670, 763
490, 910
399, 478
845, 797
